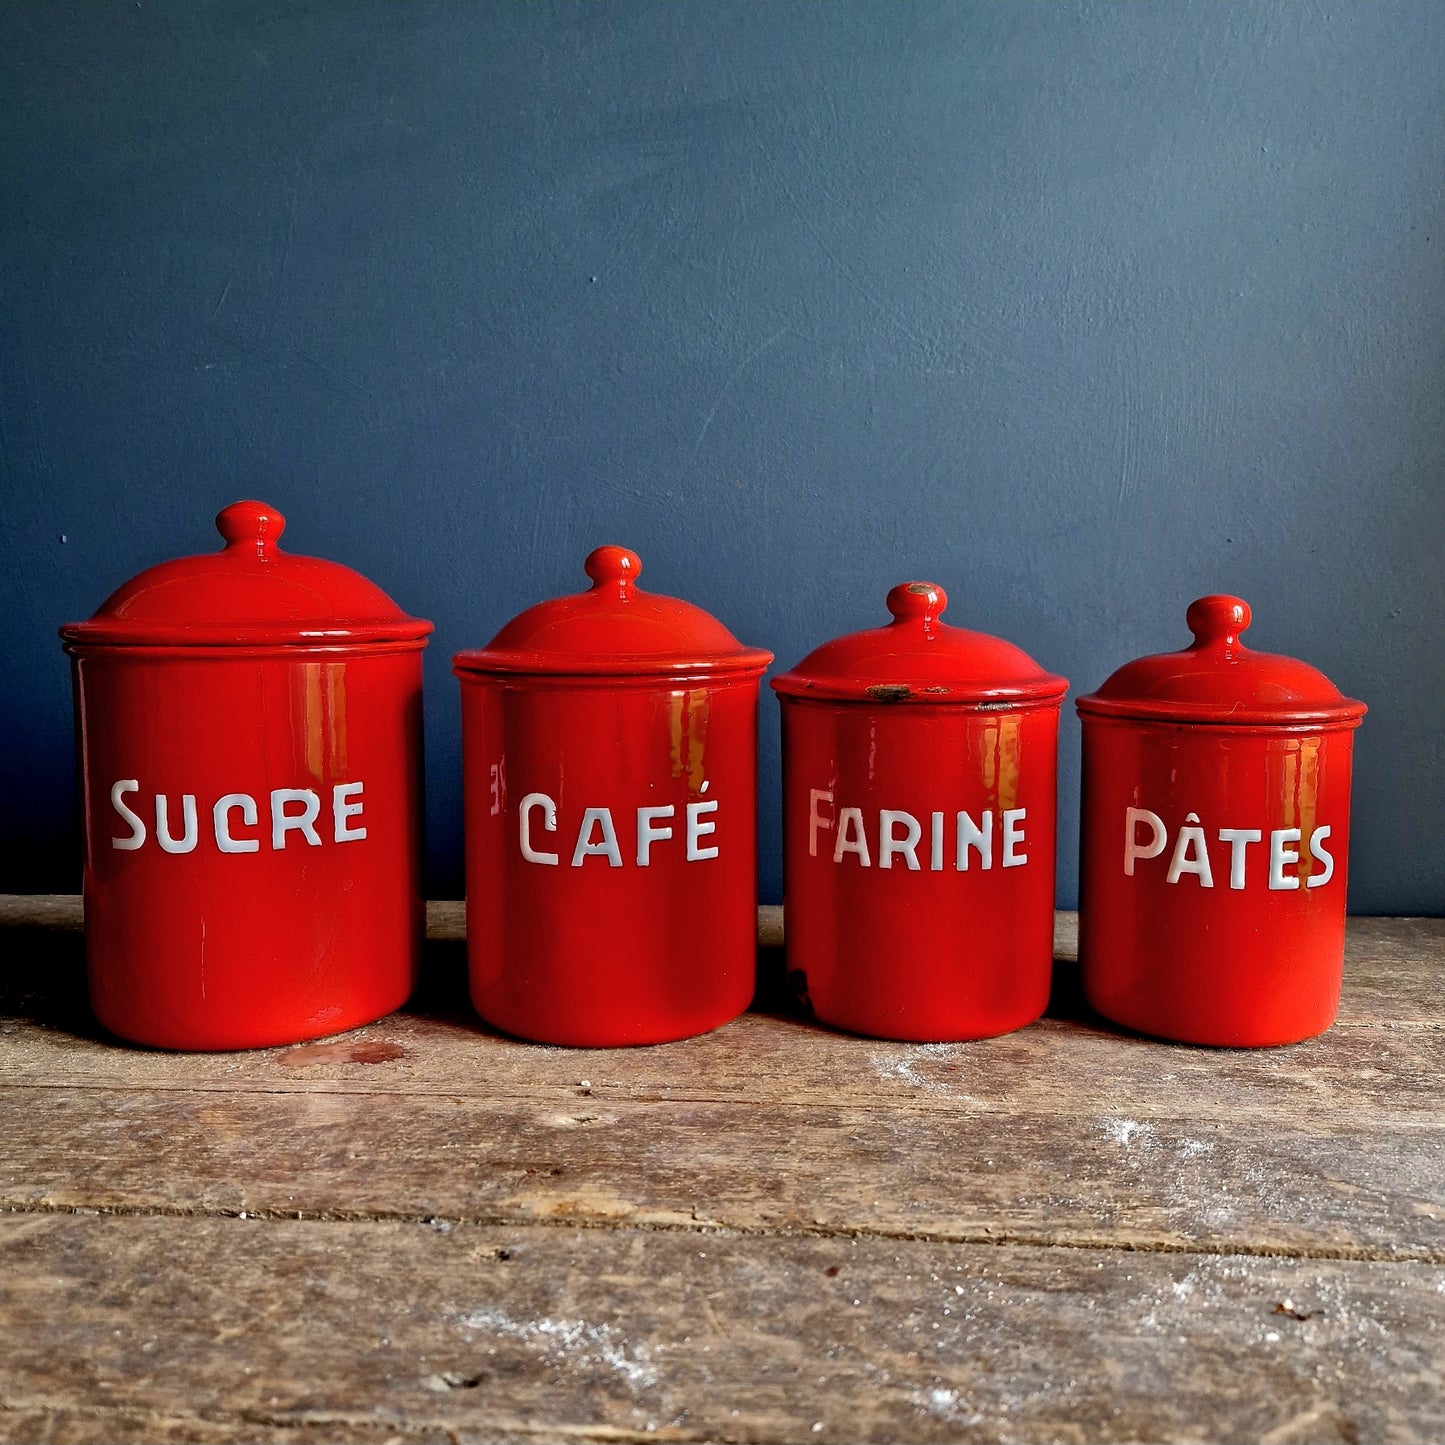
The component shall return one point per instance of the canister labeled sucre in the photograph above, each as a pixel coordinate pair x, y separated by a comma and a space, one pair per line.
1214, 840
919, 794
249, 730
609, 747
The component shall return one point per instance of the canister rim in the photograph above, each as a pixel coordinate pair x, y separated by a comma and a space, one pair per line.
1348, 712
1047, 689
487, 661
111, 634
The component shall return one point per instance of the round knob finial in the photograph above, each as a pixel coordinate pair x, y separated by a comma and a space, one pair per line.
613, 566
1217, 620
923, 600
250, 524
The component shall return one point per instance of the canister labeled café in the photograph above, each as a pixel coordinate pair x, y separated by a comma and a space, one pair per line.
250, 746
919, 791
1216, 813
610, 774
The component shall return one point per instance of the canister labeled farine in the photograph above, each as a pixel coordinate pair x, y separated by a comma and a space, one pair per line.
1214, 840
249, 730
919, 795
610, 773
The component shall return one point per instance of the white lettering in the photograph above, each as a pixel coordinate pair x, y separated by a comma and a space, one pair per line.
851, 837
1324, 855
1238, 839
186, 843
974, 835
815, 819
1133, 849
606, 846
696, 829
303, 822
647, 834
1191, 855
935, 842
221, 823
1013, 835
137, 828
889, 845
342, 809
1280, 856
524, 826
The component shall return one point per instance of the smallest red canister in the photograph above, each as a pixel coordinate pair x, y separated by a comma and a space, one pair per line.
1215, 833
919, 793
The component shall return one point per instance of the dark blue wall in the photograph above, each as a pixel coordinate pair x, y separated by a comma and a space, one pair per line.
1080, 310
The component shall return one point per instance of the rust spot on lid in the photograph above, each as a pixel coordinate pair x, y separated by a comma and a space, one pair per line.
890, 691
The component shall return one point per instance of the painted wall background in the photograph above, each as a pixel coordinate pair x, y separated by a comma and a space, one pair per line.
1080, 310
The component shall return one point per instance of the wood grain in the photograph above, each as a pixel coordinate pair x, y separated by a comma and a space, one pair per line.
273, 1330
498, 1240
1071, 1178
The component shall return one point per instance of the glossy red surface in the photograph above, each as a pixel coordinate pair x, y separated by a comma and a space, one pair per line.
1213, 854
249, 592
1218, 679
905, 757
918, 658
615, 628
610, 798
253, 811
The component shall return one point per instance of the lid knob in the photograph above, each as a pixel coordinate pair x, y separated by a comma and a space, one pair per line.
250, 524
613, 566
1217, 621
917, 600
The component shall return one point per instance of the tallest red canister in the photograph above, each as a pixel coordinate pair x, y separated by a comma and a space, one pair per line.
250, 744
609, 744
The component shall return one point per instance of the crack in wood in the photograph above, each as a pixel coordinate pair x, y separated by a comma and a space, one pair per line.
1250, 1248
389, 1428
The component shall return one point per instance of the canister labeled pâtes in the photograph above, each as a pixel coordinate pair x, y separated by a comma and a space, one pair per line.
1214, 840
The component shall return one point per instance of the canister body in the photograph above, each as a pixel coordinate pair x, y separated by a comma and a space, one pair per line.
918, 852
253, 833
611, 856
1212, 877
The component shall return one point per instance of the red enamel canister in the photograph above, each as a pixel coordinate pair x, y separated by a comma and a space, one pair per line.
609, 745
249, 728
919, 796
1216, 815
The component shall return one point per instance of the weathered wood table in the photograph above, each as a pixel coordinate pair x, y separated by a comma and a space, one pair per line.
423, 1231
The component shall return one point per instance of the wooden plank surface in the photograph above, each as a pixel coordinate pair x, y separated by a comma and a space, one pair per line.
373, 1331
308, 1193
1079, 1177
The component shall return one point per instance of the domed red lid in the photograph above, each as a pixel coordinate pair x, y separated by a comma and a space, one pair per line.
614, 629
918, 659
1217, 679
250, 592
